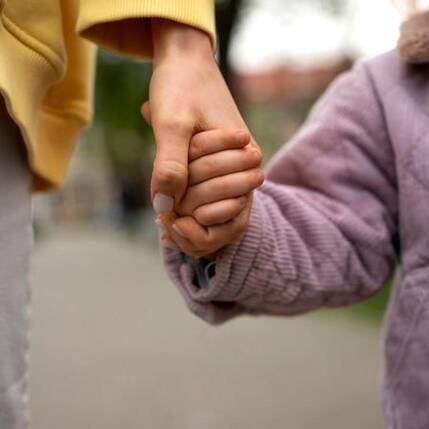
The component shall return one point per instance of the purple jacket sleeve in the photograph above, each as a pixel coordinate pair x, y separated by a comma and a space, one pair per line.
323, 224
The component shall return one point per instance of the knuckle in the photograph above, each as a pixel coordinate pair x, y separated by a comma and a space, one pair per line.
257, 156
169, 172
259, 178
254, 156
176, 124
195, 147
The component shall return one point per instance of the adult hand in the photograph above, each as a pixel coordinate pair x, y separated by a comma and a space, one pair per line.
187, 95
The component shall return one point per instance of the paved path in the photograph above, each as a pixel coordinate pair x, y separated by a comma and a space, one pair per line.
114, 348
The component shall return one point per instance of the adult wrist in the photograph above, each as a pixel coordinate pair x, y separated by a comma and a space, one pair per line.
171, 38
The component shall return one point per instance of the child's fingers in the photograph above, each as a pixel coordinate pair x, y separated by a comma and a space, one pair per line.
220, 211
223, 163
206, 241
192, 228
220, 188
212, 141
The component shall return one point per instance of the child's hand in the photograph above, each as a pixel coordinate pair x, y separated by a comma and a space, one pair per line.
224, 169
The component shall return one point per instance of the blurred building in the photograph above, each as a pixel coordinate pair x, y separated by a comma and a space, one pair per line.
286, 82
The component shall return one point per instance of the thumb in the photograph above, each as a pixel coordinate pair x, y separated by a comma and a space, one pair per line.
170, 169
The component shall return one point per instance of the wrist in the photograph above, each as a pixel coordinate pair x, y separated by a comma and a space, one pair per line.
174, 39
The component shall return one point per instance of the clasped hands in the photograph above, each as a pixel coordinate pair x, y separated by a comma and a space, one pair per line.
206, 163
224, 169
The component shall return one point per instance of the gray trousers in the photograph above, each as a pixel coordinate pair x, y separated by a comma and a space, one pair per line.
15, 249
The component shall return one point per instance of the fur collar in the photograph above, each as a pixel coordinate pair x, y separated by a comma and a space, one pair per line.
413, 44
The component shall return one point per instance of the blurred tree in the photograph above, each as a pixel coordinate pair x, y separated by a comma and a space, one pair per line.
121, 87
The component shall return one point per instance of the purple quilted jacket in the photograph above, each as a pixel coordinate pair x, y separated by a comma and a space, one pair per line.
343, 204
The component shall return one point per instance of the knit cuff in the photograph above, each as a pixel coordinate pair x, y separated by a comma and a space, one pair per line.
236, 280
107, 22
204, 270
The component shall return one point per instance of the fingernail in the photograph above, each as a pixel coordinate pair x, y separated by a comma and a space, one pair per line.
178, 230
169, 244
163, 203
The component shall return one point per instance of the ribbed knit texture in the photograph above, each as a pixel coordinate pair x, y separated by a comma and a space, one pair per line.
320, 233
100, 21
325, 225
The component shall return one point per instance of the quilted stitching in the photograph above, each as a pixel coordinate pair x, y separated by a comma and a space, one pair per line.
324, 224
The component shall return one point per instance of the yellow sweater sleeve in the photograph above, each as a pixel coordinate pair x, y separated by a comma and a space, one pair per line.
123, 26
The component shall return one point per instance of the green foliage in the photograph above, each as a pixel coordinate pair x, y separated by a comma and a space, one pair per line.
121, 87
375, 307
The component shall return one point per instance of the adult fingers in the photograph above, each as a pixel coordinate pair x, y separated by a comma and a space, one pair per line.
217, 140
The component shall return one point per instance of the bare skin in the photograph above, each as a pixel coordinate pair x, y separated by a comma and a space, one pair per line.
224, 169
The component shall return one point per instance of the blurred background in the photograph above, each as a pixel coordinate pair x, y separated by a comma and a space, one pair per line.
113, 345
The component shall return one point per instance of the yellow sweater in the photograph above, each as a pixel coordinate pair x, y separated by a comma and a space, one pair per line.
47, 65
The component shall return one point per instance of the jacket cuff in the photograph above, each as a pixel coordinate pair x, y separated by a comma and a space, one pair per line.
204, 270
236, 281
107, 22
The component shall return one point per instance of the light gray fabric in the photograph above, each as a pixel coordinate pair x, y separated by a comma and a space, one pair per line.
15, 249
